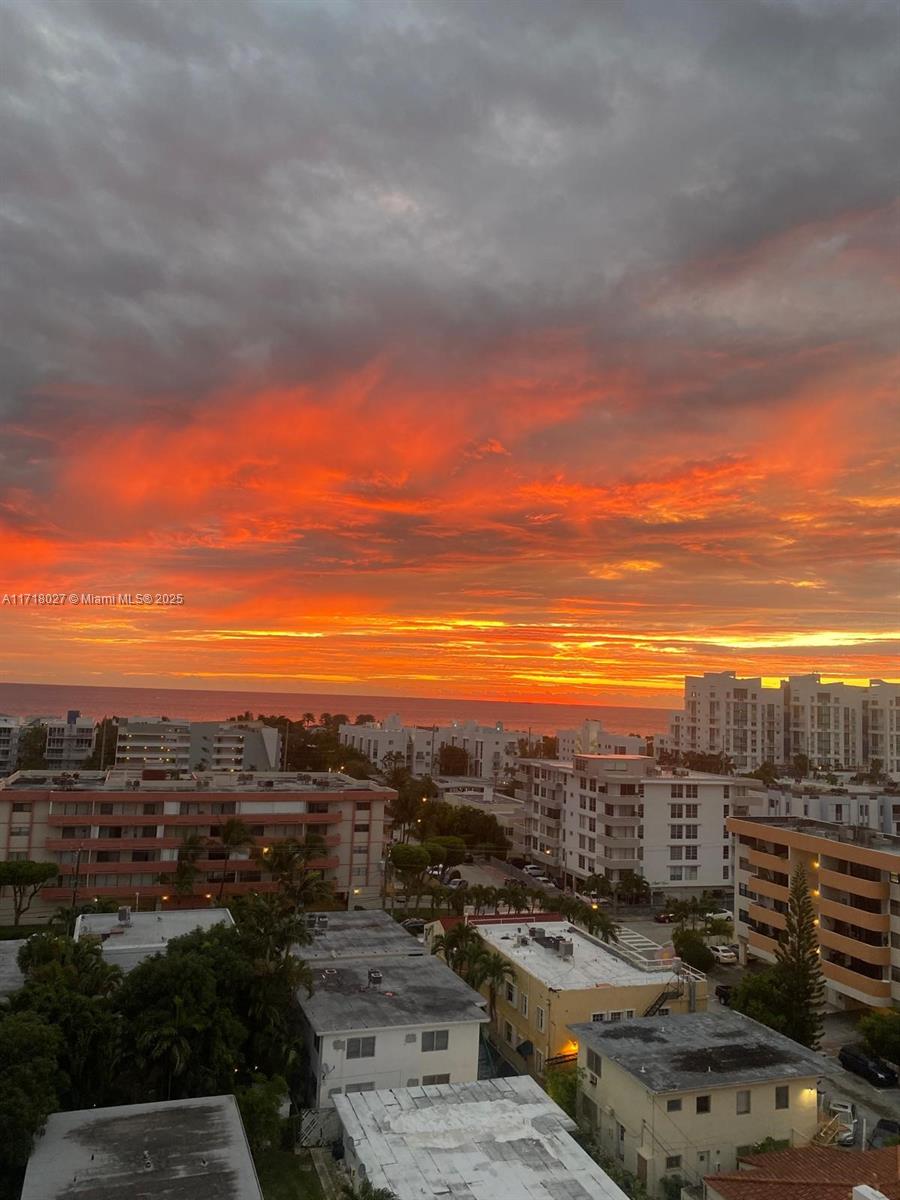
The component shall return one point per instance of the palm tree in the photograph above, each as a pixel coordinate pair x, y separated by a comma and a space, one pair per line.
490, 968
457, 944
170, 1042
234, 835
477, 897
287, 862
365, 1191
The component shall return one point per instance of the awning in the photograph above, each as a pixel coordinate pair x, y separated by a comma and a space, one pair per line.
525, 1049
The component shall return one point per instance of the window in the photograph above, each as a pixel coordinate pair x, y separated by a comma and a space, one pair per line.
538, 1061
691, 853
675, 874
523, 1004
783, 1097
690, 790
676, 790
598, 1016
361, 1047
676, 832
359, 1087
21, 808
673, 1162
511, 993
436, 1039
743, 1103
726, 851
541, 1017
426, 1079
360, 828
594, 1062
615, 1016
676, 811
673, 1105
19, 831
725, 872
690, 810
507, 1032
703, 1104
676, 852
692, 831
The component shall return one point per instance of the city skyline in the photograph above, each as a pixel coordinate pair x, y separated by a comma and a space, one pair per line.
510, 351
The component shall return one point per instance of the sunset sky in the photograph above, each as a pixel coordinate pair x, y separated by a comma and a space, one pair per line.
531, 349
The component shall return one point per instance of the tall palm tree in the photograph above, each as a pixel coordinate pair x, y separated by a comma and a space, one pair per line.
457, 945
287, 862
489, 968
170, 1042
234, 835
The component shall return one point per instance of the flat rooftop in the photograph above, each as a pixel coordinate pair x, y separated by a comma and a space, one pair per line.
171, 1150
846, 835
371, 933
592, 964
412, 991
498, 1139
128, 943
698, 1051
119, 779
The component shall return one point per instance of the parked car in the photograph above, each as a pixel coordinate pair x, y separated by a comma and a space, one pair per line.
455, 884
722, 915
543, 880
414, 925
435, 872
533, 869
723, 992
723, 954
845, 1111
885, 1133
664, 918
874, 1069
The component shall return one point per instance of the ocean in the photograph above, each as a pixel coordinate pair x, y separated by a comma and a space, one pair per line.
43, 699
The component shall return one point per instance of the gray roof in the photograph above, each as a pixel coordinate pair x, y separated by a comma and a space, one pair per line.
10, 976
698, 1051
354, 934
498, 1139
412, 991
171, 1150
127, 944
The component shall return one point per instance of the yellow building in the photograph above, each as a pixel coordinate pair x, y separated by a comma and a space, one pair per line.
683, 1096
562, 975
854, 881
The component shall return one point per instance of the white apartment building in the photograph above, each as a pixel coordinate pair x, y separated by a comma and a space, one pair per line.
9, 743
491, 749
836, 725
378, 1022
686, 844
70, 740
591, 738
610, 814
154, 742
481, 795
235, 746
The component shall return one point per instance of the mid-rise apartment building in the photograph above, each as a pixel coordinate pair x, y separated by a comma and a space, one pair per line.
9, 743
591, 738
614, 814
835, 725
70, 741
563, 975
491, 750
118, 833
854, 880
234, 746
674, 1098
155, 742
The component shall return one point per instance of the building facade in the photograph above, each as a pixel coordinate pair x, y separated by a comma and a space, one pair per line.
234, 746
835, 725
70, 741
491, 750
562, 975
680, 1097
853, 875
118, 833
591, 738
383, 1022
153, 742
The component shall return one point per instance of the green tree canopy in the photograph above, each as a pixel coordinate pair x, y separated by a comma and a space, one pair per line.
880, 1030
260, 1106
29, 1076
32, 748
25, 879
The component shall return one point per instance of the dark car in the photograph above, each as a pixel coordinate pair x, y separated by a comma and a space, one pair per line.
885, 1133
874, 1069
723, 992
664, 918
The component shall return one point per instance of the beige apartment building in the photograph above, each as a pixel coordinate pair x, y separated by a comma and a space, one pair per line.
854, 881
682, 1096
563, 975
117, 833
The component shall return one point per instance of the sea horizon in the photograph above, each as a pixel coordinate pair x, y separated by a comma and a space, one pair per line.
206, 704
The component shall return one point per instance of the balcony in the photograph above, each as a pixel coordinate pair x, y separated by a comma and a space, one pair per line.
877, 922
764, 887
771, 862
875, 991
759, 941
768, 916
137, 843
855, 886
879, 956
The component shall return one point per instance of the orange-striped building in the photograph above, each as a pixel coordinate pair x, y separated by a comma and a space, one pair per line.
854, 880
117, 833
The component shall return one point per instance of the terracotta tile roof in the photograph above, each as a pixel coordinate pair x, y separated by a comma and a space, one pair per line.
810, 1173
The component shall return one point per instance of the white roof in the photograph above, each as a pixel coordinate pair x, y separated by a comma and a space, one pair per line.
148, 930
497, 1139
591, 964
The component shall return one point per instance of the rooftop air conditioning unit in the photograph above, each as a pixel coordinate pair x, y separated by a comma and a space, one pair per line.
375, 977
124, 915
566, 949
